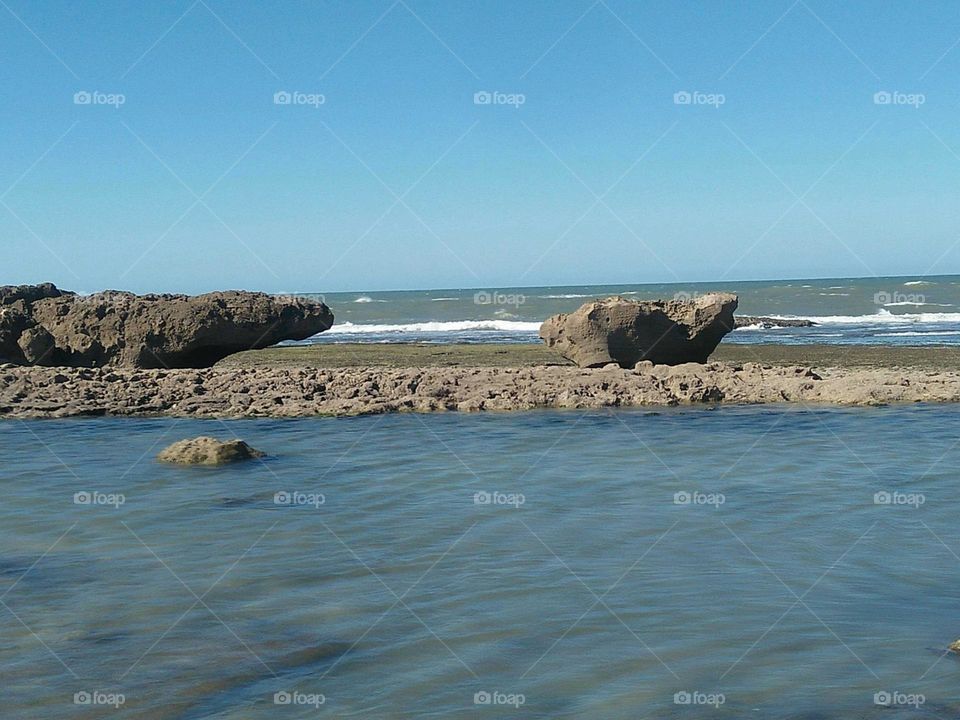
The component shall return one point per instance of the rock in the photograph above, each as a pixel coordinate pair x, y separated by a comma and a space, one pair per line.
665, 332
208, 451
954, 646
41, 325
768, 322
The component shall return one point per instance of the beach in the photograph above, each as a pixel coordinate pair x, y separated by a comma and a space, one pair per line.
360, 379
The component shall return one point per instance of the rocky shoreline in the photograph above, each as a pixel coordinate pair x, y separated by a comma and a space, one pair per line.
40, 392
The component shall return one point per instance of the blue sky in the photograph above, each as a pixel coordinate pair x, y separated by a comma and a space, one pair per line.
782, 165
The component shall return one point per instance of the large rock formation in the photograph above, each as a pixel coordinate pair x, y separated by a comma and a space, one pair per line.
41, 325
617, 330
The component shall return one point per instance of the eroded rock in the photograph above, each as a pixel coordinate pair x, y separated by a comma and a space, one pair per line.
41, 325
622, 331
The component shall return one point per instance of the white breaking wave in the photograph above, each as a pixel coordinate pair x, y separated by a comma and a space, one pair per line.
564, 297
349, 328
914, 333
884, 317
440, 299
367, 299
907, 302
917, 282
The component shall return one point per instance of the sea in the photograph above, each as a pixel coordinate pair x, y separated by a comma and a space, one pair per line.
740, 562
770, 562
874, 311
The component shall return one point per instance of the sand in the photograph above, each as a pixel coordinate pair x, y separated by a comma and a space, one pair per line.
366, 379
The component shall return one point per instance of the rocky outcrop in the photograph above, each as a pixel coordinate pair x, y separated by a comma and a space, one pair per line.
622, 331
308, 392
41, 325
768, 322
208, 451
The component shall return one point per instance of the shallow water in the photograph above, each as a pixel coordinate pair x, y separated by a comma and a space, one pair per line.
199, 596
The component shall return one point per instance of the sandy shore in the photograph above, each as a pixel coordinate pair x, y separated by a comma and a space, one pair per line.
364, 379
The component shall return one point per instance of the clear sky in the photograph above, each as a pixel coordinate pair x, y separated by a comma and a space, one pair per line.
388, 171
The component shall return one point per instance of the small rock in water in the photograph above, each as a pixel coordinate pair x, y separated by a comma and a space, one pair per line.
954, 646
208, 451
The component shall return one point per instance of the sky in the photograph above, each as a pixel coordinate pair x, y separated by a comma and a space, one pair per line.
195, 145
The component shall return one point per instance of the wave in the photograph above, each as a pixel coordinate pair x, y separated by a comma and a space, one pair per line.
913, 333
349, 328
917, 304
882, 317
443, 299
367, 299
918, 282
565, 297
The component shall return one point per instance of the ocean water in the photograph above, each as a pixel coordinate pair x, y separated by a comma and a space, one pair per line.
691, 563
884, 311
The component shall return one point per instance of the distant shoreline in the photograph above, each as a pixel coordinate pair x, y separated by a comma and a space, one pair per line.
358, 379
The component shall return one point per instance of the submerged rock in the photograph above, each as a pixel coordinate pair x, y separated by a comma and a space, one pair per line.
41, 325
769, 322
208, 451
665, 332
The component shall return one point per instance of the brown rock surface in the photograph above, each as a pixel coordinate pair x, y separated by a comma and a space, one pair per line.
622, 331
303, 392
208, 451
40, 325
